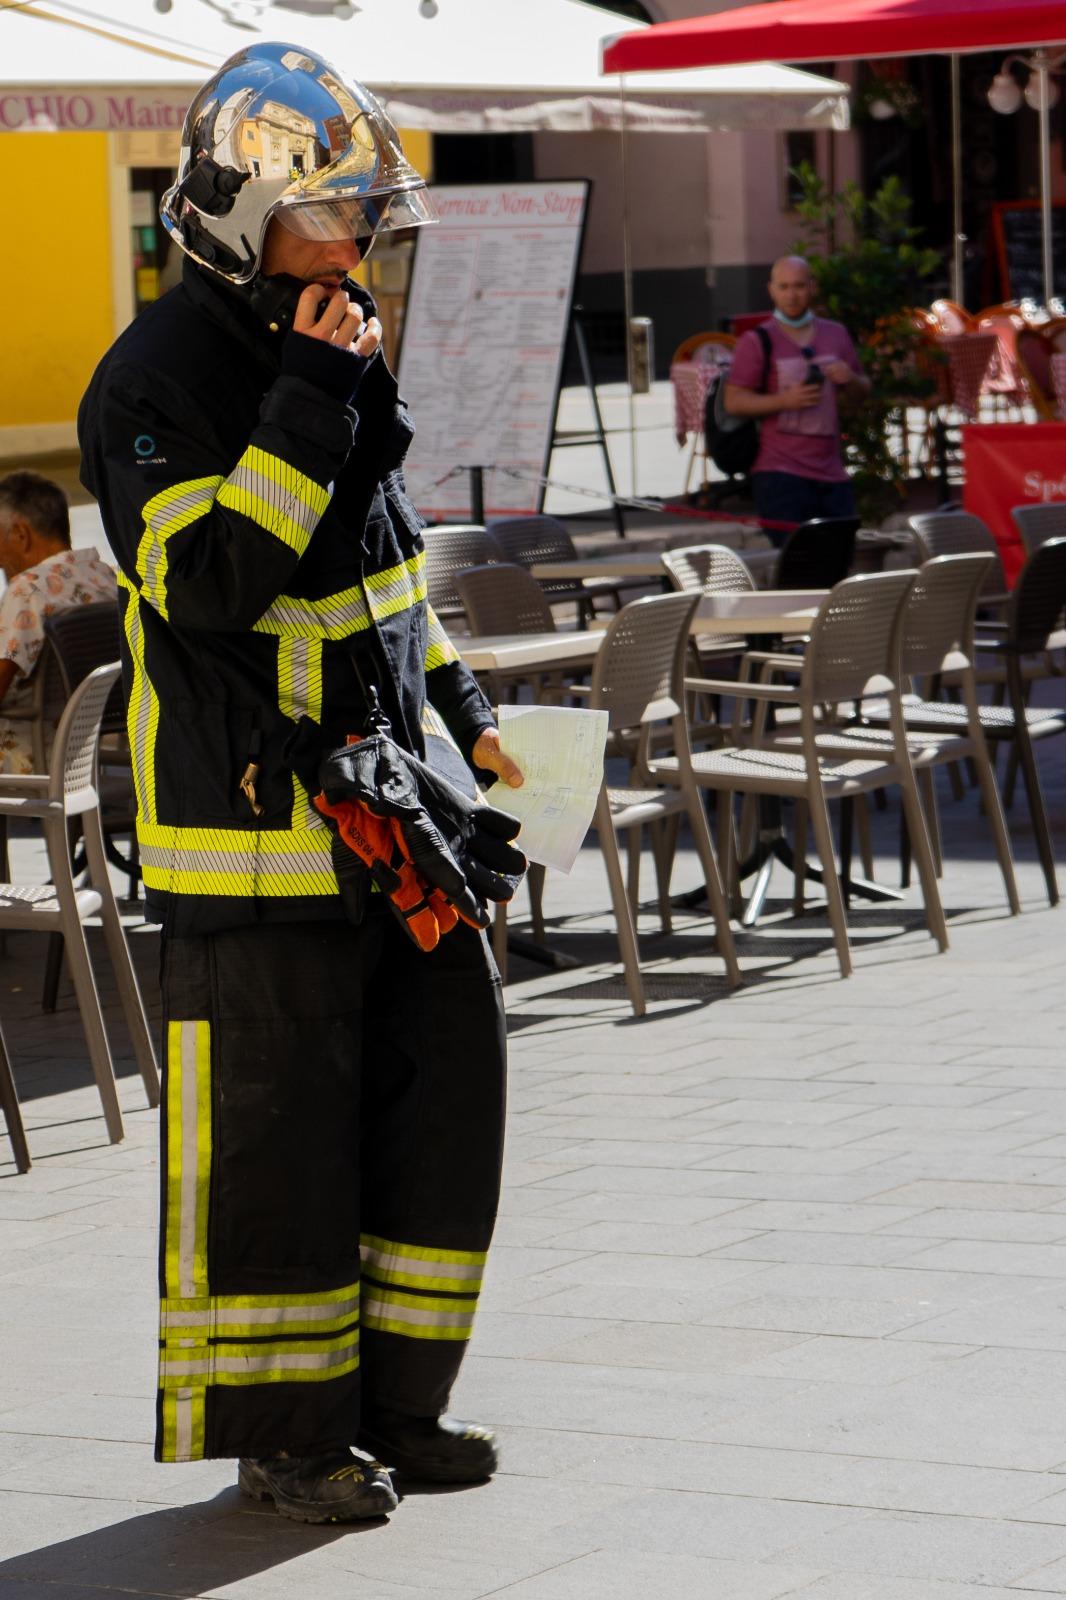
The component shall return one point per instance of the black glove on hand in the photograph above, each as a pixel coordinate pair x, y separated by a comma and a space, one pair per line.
478, 834
375, 773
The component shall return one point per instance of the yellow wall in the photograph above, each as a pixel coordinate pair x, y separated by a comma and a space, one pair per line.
55, 272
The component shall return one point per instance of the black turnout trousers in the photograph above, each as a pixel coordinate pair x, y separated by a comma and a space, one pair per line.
331, 1139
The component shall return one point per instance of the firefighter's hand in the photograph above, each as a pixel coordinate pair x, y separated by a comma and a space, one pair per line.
487, 754
340, 324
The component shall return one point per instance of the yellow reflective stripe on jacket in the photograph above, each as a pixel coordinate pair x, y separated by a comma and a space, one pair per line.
439, 648
246, 1316
188, 1099
164, 515
417, 1316
259, 1361
273, 862
273, 494
142, 713
348, 611
420, 1267
300, 695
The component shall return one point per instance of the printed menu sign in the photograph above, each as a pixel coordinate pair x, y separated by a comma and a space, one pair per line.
483, 340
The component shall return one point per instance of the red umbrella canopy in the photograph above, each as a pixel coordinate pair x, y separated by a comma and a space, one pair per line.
837, 30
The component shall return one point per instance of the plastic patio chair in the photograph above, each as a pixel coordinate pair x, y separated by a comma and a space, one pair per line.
9, 1105
528, 540
936, 627
68, 791
638, 679
816, 555
854, 644
1038, 524
449, 548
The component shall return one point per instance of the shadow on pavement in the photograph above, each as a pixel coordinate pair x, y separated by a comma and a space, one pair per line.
180, 1551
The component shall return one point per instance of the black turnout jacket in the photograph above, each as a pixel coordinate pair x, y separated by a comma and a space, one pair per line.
271, 566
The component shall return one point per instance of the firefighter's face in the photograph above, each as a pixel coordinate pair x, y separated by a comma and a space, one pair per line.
324, 261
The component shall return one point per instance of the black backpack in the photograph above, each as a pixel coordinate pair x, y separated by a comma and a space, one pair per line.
733, 442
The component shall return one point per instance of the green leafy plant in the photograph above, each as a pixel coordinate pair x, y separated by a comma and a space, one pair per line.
869, 269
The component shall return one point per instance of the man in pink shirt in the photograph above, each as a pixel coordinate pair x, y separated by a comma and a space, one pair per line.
799, 471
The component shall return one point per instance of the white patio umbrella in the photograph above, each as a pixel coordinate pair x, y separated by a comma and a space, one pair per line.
477, 66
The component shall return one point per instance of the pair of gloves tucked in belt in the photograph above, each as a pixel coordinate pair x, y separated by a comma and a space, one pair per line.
437, 855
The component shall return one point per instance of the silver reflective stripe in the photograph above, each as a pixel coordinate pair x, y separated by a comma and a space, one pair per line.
391, 1312
332, 618
389, 1262
183, 1425
218, 1317
281, 863
281, 502
270, 1361
190, 1197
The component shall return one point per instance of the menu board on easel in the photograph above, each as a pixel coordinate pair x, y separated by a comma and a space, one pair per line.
1017, 235
484, 336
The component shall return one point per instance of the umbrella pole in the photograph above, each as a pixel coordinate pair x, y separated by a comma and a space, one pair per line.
1041, 64
958, 238
627, 290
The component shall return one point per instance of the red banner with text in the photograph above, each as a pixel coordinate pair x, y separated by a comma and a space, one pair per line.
1012, 464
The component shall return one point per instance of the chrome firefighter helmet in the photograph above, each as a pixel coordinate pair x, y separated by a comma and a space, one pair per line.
278, 133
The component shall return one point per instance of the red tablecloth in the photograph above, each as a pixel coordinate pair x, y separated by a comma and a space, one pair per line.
1012, 464
691, 380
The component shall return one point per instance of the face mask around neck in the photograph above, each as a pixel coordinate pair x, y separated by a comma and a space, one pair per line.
794, 322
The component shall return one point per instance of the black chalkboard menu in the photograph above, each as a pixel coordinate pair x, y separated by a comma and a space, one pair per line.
1017, 236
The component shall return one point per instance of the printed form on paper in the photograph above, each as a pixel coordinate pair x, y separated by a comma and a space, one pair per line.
560, 752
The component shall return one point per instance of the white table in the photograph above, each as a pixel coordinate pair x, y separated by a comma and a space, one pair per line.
760, 611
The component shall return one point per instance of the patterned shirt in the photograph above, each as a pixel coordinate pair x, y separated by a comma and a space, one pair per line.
58, 583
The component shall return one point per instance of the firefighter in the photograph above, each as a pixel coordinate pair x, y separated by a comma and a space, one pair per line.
333, 1100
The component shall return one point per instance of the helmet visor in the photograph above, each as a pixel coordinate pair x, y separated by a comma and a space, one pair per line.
354, 219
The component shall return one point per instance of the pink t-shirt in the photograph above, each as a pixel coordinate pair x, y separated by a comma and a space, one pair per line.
806, 443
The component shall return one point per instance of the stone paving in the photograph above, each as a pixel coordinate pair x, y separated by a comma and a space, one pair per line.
777, 1307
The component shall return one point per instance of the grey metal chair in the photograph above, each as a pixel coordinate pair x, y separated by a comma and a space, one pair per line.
639, 680
67, 791
1038, 524
854, 641
450, 548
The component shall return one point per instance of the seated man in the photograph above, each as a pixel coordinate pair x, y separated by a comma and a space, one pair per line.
44, 575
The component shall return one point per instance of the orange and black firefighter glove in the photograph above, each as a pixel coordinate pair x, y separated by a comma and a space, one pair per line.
370, 780
378, 843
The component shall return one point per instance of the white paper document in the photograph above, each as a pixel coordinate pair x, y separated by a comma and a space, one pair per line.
560, 752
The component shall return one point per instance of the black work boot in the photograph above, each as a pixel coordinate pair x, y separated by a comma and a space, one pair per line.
434, 1449
333, 1487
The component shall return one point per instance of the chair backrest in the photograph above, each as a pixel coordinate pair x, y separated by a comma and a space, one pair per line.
938, 618
958, 533
504, 598
1034, 349
1038, 599
707, 569
854, 638
707, 346
951, 317
638, 675
449, 548
72, 772
818, 554
525, 540
82, 639
1038, 524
